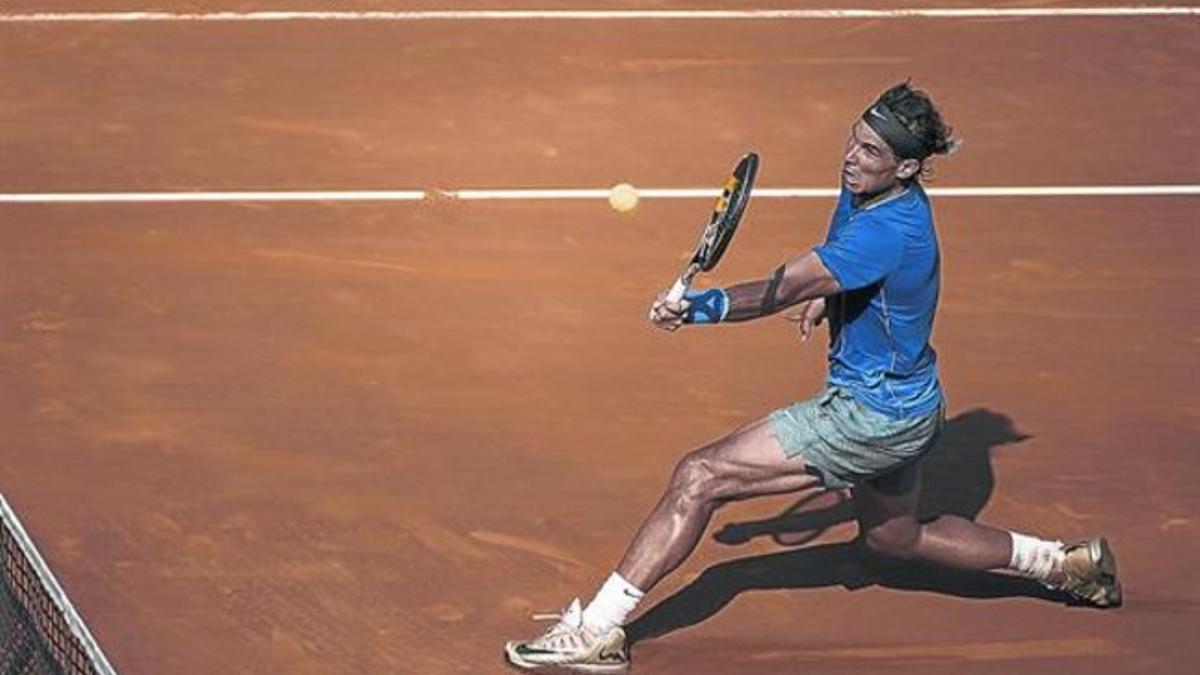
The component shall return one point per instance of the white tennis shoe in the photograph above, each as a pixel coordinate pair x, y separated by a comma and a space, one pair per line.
570, 644
1090, 568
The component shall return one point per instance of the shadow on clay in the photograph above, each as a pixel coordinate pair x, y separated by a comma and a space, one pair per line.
957, 479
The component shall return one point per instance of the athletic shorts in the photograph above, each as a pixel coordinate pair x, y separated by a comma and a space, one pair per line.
845, 443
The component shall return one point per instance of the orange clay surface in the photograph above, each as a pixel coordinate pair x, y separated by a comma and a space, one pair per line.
372, 438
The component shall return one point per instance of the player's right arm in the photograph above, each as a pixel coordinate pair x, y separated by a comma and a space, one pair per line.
810, 314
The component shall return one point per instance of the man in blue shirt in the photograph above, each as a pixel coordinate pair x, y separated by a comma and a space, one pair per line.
876, 280
884, 255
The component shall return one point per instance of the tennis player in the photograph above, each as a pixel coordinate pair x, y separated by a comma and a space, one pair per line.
876, 280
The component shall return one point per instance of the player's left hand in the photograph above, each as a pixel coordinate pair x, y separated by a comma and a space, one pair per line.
666, 315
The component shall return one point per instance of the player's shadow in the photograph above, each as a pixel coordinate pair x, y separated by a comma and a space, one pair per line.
958, 479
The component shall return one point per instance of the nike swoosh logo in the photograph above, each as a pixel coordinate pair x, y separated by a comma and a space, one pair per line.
875, 112
526, 650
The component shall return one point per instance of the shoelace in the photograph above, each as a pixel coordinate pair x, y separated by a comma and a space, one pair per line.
560, 629
562, 635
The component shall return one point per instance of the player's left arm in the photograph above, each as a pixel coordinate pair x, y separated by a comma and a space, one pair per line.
802, 278
798, 280
857, 257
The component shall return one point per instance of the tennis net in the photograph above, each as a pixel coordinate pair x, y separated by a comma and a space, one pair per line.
40, 632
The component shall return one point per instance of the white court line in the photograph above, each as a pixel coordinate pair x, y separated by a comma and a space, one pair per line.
197, 196
567, 194
811, 193
615, 14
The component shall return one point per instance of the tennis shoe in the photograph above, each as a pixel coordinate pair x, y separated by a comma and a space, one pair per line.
571, 644
1090, 568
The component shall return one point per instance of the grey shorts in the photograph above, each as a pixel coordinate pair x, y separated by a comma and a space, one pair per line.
845, 443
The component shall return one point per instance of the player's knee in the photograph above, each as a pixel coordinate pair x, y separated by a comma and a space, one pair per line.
695, 481
893, 539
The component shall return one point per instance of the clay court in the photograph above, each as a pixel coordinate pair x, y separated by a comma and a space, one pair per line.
333, 436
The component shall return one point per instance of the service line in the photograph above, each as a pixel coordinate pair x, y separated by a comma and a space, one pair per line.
614, 14
564, 194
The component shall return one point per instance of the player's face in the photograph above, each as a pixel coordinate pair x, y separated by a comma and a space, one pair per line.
868, 165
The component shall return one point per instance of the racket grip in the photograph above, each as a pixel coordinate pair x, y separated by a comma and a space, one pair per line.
676, 293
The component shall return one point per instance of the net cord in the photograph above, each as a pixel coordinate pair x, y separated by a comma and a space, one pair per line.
54, 590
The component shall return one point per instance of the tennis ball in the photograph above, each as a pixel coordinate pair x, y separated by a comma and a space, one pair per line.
623, 197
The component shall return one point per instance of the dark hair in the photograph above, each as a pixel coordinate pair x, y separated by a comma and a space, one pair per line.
917, 113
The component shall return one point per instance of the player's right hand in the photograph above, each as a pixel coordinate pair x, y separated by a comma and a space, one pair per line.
667, 315
810, 315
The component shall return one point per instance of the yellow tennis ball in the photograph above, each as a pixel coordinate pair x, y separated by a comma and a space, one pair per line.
623, 197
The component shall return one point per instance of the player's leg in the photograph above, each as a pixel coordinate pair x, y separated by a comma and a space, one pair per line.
887, 514
747, 463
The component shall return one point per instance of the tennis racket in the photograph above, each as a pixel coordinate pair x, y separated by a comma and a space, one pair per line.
719, 229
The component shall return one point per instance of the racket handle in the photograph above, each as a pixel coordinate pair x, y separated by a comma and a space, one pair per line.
676, 293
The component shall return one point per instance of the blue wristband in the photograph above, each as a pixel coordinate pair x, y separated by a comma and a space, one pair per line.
708, 306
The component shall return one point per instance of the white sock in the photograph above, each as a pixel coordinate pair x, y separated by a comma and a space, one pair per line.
614, 602
1035, 558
